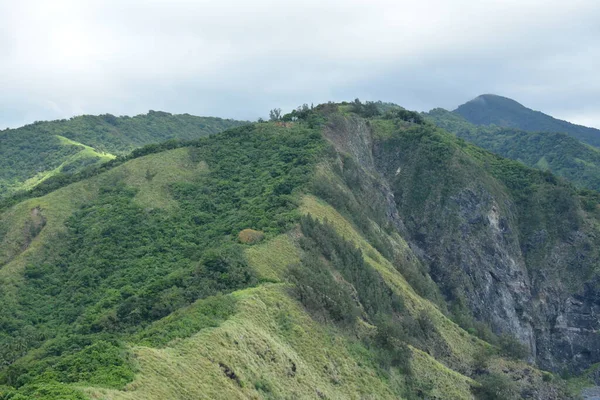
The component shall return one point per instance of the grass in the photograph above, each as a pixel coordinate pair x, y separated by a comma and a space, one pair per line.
86, 153
440, 381
152, 174
463, 345
271, 345
276, 350
57, 206
270, 259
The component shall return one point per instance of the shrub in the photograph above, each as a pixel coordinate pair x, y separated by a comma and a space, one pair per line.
250, 236
482, 358
320, 293
511, 347
495, 387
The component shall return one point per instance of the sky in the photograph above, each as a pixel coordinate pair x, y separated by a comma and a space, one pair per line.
239, 59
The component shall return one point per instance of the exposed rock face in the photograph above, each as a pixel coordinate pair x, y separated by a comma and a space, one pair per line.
521, 279
570, 331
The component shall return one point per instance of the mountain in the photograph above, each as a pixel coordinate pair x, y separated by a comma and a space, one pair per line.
36, 152
558, 153
489, 109
335, 253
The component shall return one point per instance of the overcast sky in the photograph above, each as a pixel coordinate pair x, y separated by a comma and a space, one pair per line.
238, 59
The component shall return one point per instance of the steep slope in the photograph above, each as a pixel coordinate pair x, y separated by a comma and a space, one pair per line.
490, 109
36, 152
515, 246
132, 283
558, 153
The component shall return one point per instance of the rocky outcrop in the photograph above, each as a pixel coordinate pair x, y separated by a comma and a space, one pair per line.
522, 279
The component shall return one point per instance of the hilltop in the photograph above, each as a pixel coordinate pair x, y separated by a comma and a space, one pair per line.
32, 154
489, 109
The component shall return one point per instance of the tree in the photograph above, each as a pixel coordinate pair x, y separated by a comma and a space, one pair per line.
275, 114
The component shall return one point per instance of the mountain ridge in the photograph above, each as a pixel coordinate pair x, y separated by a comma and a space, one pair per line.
35, 152
490, 109
397, 261
558, 153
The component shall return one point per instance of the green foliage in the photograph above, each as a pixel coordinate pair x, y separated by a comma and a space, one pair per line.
389, 346
323, 288
504, 112
511, 347
404, 115
275, 114
94, 360
362, 209
482, 359
375, 296
205, 313
262, 385
367, 110
319, 292
559, 153
495, 387
51, 147
43, 391
119, 267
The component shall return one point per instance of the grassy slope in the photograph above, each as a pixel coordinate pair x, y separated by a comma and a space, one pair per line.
82, 156
36, 152
270, 331
59, 205
268, 319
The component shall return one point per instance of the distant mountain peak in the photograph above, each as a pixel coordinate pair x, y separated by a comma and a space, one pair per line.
491, 109
494, 100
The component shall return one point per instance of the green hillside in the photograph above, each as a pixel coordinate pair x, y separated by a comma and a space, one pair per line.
36, 152
489, 109
558, 153
378, 232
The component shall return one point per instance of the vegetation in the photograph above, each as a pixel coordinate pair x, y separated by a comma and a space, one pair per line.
558, 153
250, 236
36, 152
496, 387
497, 110
119, 266
210, 268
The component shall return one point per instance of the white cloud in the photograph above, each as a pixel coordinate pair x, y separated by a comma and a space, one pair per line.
239, 58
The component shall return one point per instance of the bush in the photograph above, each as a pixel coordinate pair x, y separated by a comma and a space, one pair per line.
482, 358
250, 236
320, 293
390, 347
495, 387
512, 348
374, 295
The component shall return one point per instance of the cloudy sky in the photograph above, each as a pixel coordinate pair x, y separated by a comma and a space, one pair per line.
239, 59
